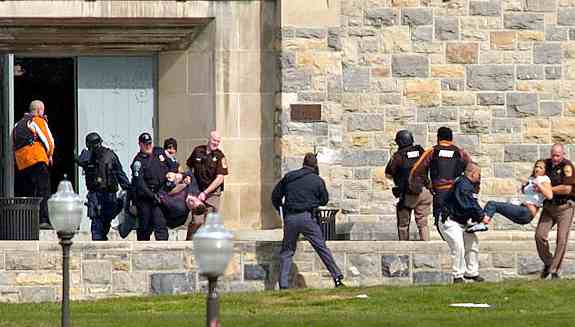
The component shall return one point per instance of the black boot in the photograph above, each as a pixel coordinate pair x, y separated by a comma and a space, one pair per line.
338, 282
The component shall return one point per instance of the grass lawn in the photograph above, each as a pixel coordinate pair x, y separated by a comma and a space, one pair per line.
514, 303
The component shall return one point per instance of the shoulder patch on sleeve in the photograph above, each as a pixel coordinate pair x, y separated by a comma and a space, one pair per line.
568, 170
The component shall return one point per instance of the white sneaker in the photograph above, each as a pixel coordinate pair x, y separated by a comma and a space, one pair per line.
479, 227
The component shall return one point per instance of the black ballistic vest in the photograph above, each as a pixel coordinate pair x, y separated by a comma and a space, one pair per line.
99, 171
446, 163
409, 156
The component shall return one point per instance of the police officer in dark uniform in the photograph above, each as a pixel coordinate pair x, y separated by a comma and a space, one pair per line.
398, 169
557, 211
444, 163
303, 191
149, 177
103, 172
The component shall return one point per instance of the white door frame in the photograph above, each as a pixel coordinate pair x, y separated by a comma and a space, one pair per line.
8, 119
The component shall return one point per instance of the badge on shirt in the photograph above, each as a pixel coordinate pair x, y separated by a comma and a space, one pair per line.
214, 159
412, 154
446, 153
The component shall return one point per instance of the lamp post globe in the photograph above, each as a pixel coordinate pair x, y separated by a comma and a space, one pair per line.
65, 208
213, 249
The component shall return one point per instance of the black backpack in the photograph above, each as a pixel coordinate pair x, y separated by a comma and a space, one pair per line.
98, 171
22, 135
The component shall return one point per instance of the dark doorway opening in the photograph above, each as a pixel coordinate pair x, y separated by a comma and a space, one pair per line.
51, 80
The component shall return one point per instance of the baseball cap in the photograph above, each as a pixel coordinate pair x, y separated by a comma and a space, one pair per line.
145, 138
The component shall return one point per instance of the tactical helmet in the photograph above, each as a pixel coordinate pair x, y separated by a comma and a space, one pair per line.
404, 138
93, 140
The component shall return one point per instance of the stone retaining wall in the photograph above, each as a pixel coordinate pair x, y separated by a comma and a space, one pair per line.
500, 73
30, 271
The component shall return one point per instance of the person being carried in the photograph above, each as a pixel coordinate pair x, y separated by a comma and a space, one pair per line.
461, 209
535, 191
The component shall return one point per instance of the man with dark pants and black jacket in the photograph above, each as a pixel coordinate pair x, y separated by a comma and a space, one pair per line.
461, 208
303, 191
398, 169
103, 172
148, 178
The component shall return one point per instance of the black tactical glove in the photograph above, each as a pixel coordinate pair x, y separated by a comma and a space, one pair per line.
395, 191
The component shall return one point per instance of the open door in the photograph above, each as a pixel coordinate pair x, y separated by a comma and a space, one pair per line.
115, 99
6, 123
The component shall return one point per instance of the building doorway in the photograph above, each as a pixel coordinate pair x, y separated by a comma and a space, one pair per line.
51, 80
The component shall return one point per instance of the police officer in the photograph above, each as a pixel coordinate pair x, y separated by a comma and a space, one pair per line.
557, 211
461, 209
149, 176
103, 172
209, 166
303, 191
444, 162
398, 169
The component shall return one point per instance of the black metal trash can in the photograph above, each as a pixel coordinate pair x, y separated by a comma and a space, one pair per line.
326, 220
19, 218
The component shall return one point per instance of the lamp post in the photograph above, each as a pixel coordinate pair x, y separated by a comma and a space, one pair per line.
65, 209
213, 247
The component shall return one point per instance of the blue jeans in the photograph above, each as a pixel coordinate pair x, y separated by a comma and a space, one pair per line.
303, 223
103, 207
516, 213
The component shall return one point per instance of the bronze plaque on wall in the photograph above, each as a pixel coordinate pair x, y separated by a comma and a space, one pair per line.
305, 112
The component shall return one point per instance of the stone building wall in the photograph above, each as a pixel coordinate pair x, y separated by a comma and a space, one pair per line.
31, 271
500, 73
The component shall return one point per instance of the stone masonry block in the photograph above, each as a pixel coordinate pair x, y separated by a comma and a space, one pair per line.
37, 294
381, 17
550, 108
529, 265
446, 28
528, 72
296, 80
422, 33
554, 33
364, 158
356, 79
541, 5
21, 260
520, 152
172, 283
553, 72
157, 261
416, 16
485, 8
424, 93
409, 66
426, 261
97, 272
521, 104
566, 17
431, 277
256, 271
547, 53
524, 21
490, 99
462, 53
311, 33
368, 265
366, 122
395, 265
490, 77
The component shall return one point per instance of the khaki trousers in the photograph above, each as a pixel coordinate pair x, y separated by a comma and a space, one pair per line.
213, 205
562, 216
420, 205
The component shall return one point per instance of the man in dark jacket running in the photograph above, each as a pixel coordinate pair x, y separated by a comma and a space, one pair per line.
302, 191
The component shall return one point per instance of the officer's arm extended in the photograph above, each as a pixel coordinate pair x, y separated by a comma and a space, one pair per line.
419, 171
118, 171
466, 198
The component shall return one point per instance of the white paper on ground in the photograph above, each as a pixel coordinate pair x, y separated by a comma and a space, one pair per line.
470, 305
362, 296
